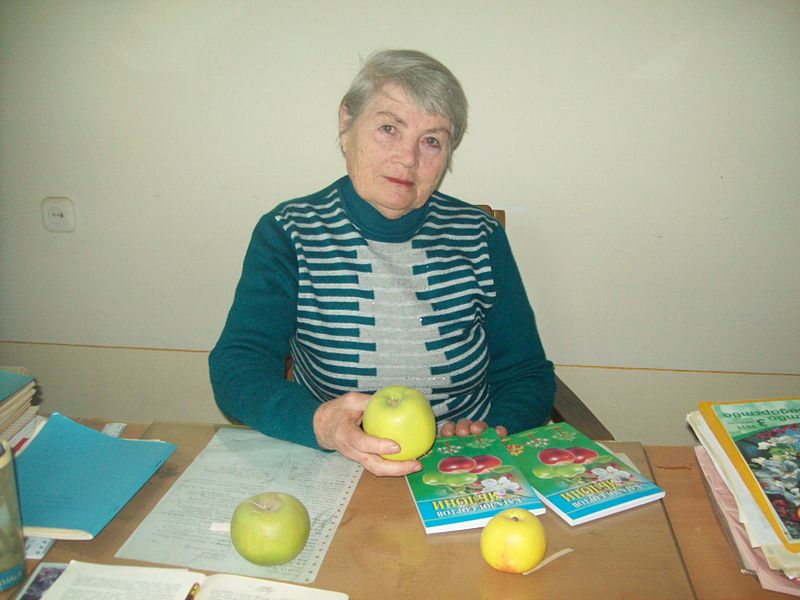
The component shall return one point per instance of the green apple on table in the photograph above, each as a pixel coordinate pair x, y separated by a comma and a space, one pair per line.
270, 528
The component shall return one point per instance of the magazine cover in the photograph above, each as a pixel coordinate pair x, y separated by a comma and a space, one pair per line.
465, 481
762, 440
576, 477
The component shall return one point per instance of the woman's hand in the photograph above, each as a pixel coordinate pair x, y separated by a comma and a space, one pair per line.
337, 426
467, 427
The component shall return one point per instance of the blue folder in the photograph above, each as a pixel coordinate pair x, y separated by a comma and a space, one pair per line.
72, 480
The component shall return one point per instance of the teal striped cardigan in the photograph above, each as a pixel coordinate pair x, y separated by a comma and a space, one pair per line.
432, 300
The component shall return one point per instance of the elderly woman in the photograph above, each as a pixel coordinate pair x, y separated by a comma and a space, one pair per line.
379, 279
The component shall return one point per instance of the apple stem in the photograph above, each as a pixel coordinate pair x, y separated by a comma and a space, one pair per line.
267, 507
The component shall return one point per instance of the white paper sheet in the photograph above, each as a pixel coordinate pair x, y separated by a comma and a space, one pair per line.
236, 464
752, 559
88, 581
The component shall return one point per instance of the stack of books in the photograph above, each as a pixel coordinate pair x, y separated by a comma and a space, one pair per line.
750, 458
18, 405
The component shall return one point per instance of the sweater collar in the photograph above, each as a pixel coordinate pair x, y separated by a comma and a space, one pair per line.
372, 224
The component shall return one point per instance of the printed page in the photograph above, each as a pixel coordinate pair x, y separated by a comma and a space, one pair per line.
87, 581
758, 530
233, 587
236, 464
40, 580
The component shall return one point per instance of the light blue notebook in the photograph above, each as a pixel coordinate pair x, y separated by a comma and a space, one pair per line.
72, 480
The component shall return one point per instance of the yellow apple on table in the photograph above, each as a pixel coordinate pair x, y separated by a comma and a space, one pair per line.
404, 415
513, 541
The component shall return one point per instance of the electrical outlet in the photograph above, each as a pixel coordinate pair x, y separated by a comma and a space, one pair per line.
58, 214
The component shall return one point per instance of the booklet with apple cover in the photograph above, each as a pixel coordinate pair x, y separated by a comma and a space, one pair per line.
465, 481
576, 477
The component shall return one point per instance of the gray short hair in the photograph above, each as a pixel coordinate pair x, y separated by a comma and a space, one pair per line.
430, 84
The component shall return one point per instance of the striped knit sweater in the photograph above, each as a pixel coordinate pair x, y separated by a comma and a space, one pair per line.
432, 300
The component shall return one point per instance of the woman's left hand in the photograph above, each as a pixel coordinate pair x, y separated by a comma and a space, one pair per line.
467, 427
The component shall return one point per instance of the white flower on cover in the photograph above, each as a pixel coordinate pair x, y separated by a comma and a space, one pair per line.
784, 440
760, 460
500, 486
765, 445
612, 473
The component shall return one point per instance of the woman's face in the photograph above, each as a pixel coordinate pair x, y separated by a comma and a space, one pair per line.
396, 153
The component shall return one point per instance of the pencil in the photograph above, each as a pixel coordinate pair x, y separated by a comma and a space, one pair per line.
193, 591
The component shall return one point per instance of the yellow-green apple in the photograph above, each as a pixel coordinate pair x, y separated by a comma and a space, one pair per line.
270, 528
404, 415
513, 541
544, 472
568, 471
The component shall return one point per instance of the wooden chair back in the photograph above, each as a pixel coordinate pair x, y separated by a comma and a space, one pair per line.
497, 213
567, 406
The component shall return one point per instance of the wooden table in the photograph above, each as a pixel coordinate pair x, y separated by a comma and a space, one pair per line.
381, 551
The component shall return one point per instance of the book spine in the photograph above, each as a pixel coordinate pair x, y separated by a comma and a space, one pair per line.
12, 544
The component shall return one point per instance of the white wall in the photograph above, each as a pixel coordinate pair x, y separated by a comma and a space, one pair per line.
647, 154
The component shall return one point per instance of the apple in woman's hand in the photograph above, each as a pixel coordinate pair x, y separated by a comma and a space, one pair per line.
404, 415
270, 528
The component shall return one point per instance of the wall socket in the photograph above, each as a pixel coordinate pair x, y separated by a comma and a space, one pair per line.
58, 214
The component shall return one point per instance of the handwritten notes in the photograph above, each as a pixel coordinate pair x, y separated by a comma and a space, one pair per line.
236, 464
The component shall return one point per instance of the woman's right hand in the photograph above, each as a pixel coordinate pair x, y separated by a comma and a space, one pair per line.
337, 426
